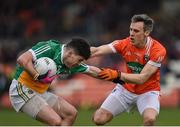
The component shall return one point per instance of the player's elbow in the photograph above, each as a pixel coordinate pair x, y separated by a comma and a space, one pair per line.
22, 61
142, 79
93, 51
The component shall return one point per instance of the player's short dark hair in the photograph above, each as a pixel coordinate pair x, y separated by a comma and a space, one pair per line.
148, 21
80, 46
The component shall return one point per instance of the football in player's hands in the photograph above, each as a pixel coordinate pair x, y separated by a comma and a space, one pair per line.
46, 69
45, 66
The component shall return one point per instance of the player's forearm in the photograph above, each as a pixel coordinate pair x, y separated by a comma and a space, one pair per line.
26, 62
134, 78
93, 71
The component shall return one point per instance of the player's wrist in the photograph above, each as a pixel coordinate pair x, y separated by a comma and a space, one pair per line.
35, 77
118, 74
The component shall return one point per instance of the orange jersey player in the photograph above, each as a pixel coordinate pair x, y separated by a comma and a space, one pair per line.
140, 85
153, 53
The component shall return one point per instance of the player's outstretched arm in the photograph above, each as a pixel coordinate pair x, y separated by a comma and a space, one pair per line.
25, 60
101, 50
111, 75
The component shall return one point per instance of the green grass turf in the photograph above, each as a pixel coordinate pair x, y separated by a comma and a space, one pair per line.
167, 117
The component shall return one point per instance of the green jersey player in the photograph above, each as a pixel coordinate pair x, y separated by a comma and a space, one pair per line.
28, 90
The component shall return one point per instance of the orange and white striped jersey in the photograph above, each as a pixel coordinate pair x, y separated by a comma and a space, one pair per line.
153, 53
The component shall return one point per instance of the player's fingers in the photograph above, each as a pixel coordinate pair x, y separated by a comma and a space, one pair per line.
103, 76
102, 73
108, 77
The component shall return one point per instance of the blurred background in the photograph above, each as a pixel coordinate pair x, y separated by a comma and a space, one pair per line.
25, 22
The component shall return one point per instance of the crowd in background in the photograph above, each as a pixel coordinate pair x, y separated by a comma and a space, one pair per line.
23, 23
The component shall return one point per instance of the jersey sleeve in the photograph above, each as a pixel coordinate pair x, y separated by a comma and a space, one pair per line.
157, 56
82, 68
43, 49
118, 46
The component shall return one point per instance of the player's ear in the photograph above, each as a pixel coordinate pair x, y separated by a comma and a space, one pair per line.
147, 32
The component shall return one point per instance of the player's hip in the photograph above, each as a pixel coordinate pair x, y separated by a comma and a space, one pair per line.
20, 94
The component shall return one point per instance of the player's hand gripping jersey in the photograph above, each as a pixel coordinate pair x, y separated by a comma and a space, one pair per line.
136, 58
54, 50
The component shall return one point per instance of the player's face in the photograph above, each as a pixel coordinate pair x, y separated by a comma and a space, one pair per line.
137, 34
71, 59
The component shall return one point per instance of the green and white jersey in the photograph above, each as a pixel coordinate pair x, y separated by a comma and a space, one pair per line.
54, 50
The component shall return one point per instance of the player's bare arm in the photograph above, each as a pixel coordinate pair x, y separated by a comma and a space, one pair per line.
141, 78
26, 61
93, 71
101, 50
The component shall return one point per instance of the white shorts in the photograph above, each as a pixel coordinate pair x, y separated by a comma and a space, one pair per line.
26, 100
121, 100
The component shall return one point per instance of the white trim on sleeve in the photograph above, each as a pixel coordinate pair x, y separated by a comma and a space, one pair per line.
154, 63
112, 47
88, 68
33, 54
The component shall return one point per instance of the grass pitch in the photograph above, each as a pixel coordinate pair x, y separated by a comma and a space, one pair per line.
167, 117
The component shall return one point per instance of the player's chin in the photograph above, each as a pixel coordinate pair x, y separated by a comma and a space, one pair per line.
71, 66
132, 42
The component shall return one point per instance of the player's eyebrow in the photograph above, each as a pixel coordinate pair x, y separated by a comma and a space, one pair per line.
135, 30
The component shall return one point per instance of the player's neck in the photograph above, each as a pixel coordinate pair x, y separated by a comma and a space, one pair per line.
142, 44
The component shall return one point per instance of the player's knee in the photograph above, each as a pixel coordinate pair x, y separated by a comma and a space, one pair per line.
70, 117
73, 114
100, 118
149, 121
56, 121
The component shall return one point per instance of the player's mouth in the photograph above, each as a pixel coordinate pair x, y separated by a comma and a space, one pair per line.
132, 39
71, 65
